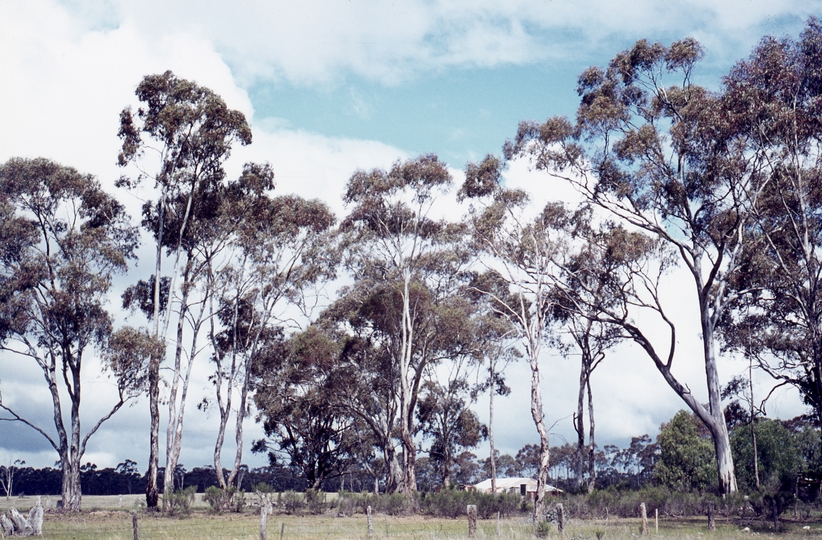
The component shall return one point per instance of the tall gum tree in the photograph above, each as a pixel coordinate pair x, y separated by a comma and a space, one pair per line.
280, 252
392, 239
520, 251
361, 320
667, 160
776, 94
62, 240
180, 138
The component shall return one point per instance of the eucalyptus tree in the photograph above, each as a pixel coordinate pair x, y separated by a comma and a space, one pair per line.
670, 161
444, 416
775, 96
523, 252
393, 241
280, 250
62, 240
364, 319
590, 285
180, 140
301, 419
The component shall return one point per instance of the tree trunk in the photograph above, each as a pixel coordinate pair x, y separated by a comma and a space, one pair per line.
538, 415
406, 414
171, 455
152, 492
717, 425
71, 491
592, 471
491, 425
241, 414
579, 427
174, 433
753, 424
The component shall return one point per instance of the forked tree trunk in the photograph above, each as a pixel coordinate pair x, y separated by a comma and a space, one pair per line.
579, 427
406, 414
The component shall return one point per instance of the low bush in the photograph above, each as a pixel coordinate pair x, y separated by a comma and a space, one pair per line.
453, 503
180, 501
291, 502
220, 500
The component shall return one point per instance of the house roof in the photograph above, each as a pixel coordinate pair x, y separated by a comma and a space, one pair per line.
506, 484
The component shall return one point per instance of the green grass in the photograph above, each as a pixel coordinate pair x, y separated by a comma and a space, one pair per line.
104, 519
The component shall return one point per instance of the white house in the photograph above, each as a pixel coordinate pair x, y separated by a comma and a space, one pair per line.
523, 486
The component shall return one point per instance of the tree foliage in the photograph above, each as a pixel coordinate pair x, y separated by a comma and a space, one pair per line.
63, 238
686, 459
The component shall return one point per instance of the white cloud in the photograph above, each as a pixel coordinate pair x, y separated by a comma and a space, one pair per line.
324, 40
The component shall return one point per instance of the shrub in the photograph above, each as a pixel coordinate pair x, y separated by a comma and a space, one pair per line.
291, 502
453, 504
221, 500
315, 501
543, 529
180, 501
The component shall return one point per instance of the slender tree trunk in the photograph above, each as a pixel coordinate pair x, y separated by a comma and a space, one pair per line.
241, 414
172, 459
171, 462
579, 426
592, 471
152, 491
406, 414
224, 407
753, 424
492, 377
538, 415
72, 495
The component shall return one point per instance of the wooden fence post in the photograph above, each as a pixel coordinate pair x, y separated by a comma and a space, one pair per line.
644, 512
472, 521
370, 524
263, 519
134, 525
656, 520
560, 519
711, 517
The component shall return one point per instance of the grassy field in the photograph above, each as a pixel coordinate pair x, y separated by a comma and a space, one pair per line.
105, 519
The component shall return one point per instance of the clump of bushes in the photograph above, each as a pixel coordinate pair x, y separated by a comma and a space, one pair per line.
231, 499
452, 503
180, 501
392, 504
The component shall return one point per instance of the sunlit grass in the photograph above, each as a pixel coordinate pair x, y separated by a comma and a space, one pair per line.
104, 519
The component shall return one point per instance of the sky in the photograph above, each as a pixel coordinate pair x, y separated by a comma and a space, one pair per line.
332, 86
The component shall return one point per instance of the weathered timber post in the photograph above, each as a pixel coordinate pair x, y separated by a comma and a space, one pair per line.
560, 519
711, 518
656, 520
263, 519
134, 525
35, 518
370, 524
644, 512
472, 521
282, 530
499, 532
121, 501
